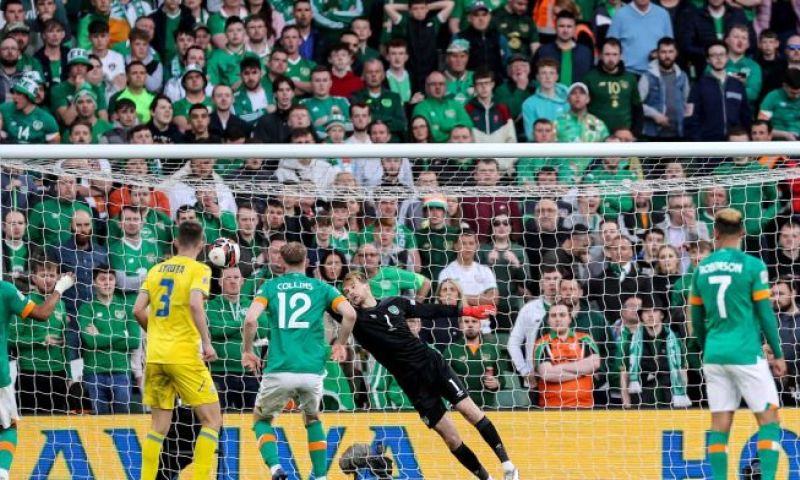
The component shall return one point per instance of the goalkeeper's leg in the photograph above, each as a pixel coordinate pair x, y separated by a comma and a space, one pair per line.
447, 430
473, 414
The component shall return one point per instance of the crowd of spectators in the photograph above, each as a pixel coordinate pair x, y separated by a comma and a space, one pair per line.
590, 287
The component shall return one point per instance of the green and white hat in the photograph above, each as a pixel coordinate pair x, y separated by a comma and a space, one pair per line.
458, 45
34, 76
85, 91
78, 56
27, 87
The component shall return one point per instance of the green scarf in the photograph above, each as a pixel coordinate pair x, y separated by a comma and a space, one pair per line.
674, 357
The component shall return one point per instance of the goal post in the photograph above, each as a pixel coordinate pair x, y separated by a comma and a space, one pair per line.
609, 233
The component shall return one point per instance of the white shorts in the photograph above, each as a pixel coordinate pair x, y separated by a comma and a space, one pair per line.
8, 407
278, 388
728, 384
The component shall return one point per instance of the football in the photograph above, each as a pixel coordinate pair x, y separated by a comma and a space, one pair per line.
224, 253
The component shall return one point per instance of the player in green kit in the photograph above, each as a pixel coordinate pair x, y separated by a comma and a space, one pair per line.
296, 306
730, 311
13, 302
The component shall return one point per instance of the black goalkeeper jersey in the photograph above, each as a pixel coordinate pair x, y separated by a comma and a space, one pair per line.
382, 331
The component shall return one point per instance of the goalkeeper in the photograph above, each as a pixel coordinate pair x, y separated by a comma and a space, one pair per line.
12, 302
730, 311
421, 371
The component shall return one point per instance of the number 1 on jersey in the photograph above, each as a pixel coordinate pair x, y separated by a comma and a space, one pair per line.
304, 302
724, 281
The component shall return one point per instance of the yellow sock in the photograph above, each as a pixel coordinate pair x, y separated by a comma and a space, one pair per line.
204, 450
151, 450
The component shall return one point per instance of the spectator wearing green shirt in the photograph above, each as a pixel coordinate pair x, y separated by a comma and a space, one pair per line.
223, 64
85, 103
515, 90
130, 254
442, 112
478, 363
614, 92
216, 23
109, 334
436, 237
237, 387
298, 68
740, 65
62, 96
50, 221
216, 222
194, 83
459, 80
613, 170
515, 22
22, 121
389, 281
384, 104
322, 106
782, 107
251, 100
39, 347
578, 125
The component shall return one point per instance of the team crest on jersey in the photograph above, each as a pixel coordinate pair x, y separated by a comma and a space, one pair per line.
449, 113
119, 314
305, 71
394, 310
386, 284
37, 125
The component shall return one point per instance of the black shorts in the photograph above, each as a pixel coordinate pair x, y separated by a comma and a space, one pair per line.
427, 390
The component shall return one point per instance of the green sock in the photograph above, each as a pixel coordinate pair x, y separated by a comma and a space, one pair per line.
718, 454
769, 444
317, 448
8, 444
267, 444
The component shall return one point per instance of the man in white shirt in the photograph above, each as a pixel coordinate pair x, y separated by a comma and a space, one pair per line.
478, 282
528, 325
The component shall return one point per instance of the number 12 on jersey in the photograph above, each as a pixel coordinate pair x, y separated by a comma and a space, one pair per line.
298, 304
724, 281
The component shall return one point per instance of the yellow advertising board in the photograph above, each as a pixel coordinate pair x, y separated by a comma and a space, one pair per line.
545, 445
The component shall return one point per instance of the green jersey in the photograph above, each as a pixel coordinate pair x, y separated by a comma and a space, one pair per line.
731, 308
251, 105
117, 335
223, 66
182, 106
750, 70
436, 249
50, 221
13, 305
17, 258
225, 321
323, 109
156, 226
133, 259
38, 126
782, 111
442, 115
63, 94
300, 69
296, 307
614, 96
391, 281
33, 355
216, 227
470, 362
461, 88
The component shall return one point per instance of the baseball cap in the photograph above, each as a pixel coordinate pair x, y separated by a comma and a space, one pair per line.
435, 201
17, 27
478, 6
26, 87
34, 76
518, 57
192, 68
78, 56
85, 91
458, 45
336, 120
578, 85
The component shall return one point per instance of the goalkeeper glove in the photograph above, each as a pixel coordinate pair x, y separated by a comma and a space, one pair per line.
64, 283
480, 311
635, 387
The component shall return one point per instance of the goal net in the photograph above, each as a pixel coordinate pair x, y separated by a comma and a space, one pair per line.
589, 369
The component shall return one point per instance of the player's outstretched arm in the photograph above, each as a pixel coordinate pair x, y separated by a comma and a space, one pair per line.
140, 308
250, 360
42, 312
348, 314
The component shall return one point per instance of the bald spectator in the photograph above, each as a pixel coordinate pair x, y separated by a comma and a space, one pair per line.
442, 112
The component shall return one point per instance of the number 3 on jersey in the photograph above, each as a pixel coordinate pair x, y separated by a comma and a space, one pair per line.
724, 281
169, 284
297, 305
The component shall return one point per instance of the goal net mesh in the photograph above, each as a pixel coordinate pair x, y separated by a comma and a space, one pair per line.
613, 242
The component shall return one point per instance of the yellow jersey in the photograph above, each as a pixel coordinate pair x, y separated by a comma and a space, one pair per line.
171, 334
